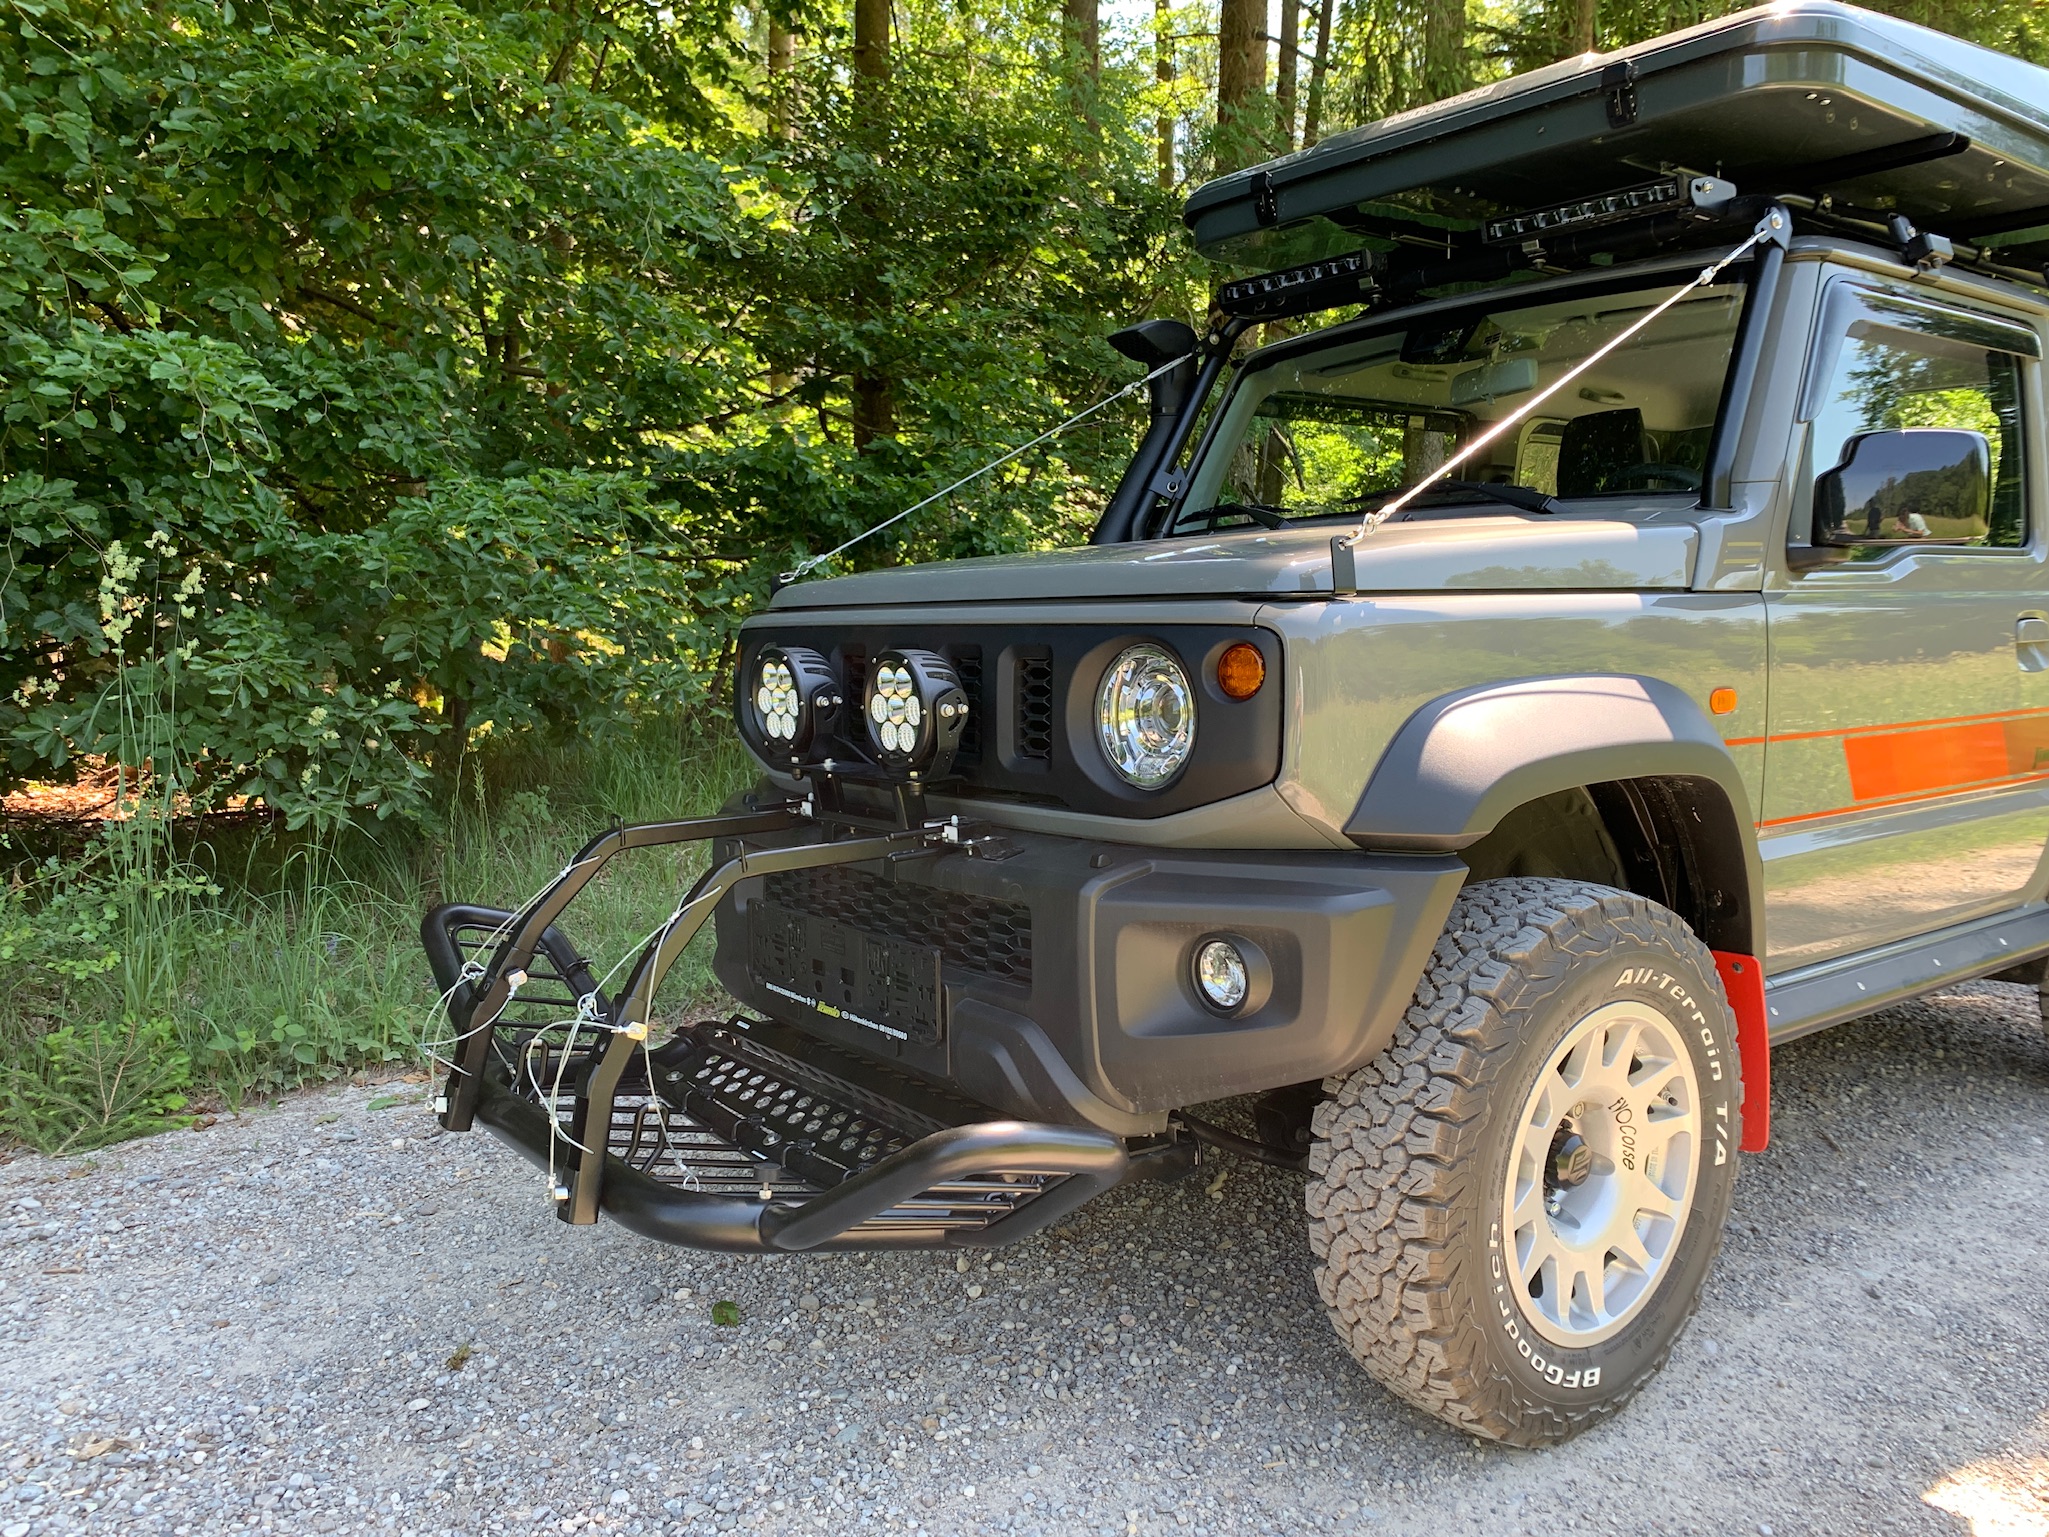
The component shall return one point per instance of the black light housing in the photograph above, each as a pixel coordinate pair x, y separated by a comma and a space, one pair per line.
916, 711
792, 702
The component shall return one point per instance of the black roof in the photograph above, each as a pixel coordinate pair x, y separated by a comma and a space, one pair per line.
1805, 97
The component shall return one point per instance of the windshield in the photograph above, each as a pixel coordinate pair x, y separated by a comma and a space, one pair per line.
1336, 431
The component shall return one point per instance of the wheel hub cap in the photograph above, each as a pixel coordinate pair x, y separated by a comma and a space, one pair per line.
1572, 1162
1601, 1173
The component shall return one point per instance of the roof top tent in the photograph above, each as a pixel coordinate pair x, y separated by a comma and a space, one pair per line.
1868, 116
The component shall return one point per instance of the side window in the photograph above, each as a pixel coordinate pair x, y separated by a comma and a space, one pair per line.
1905, 369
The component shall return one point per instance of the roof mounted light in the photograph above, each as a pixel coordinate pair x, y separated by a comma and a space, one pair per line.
1667, 194
1296, 290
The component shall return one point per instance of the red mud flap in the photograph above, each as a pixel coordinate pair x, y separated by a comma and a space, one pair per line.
1743, 980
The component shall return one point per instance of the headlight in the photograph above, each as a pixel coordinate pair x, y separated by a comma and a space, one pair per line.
916, 711
794, 699
1145, 716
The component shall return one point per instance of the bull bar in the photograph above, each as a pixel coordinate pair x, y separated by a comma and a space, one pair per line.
913, 1181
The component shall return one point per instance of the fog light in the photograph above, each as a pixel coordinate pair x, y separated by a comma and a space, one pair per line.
1221, 975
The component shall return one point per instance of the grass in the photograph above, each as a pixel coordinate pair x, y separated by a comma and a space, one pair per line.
151, 969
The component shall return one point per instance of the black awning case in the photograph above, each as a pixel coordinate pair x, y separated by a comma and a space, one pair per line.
1808, 97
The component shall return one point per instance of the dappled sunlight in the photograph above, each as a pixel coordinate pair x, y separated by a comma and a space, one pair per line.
2005, 1495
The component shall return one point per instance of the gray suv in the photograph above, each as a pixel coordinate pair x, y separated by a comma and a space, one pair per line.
1613, 640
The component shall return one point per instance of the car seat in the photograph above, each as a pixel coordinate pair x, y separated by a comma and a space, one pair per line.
1598, 445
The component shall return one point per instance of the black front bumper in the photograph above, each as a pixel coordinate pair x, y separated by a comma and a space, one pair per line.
1065, 981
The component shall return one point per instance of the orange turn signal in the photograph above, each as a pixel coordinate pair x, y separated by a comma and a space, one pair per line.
1722, 701
1240, 670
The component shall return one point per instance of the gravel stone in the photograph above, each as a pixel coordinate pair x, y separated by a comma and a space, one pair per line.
225, 1331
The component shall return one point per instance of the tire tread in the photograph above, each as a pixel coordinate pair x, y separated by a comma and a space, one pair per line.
1396, 1139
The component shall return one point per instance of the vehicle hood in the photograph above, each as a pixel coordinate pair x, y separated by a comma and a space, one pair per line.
1479, 554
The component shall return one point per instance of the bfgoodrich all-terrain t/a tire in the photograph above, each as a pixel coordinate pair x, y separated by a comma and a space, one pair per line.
1513, 1208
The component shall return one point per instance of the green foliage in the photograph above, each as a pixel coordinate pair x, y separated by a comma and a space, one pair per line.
132, 980
373, 376
80, 1067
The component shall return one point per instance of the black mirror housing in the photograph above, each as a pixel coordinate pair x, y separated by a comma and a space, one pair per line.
1892, 482
1153, 342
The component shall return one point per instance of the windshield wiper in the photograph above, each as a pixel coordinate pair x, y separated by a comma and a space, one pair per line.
1259, 512
1522, 498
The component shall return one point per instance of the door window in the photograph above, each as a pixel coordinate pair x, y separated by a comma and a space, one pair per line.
1901, 368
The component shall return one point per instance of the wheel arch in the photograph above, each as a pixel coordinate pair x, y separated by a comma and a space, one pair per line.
1662, 781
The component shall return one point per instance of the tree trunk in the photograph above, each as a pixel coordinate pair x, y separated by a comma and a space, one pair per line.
1290, 65
1241, 77
1082, 33
782, 55
782, 52
874, 408
1312, 113
1582, 39
874, 391
1444, 49
1081, 37
871, 49
1163, 72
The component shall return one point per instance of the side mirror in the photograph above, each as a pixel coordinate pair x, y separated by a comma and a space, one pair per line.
1913, 485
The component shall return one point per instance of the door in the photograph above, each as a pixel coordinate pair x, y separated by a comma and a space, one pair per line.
1907, 761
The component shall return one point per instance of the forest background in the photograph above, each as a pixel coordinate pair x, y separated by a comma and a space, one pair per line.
402, 404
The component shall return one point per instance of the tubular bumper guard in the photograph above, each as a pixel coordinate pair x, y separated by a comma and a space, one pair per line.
912, 1183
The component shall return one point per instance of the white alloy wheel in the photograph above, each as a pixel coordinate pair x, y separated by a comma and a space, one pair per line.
1600, 1177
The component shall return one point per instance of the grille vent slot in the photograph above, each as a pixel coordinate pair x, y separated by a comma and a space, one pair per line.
967, 662
973, 933
1035, 708
854, 676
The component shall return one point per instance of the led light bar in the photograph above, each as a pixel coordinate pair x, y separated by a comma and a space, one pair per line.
1313, 285
1668, 194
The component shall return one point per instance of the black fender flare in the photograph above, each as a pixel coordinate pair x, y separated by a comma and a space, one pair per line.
1463, 761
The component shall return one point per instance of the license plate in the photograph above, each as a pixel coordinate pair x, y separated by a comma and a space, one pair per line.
870, 980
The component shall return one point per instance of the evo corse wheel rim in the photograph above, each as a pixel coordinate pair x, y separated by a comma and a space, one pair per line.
1602, 1173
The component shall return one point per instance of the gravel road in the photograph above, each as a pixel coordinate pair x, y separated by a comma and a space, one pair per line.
328, 1316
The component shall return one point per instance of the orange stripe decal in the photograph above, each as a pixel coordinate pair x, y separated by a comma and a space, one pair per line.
1879, 727
1899, 763
1903, 801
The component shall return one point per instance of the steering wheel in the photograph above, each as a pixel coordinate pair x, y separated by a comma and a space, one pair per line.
1677, 475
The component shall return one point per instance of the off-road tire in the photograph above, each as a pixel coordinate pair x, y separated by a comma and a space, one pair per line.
1411, 1152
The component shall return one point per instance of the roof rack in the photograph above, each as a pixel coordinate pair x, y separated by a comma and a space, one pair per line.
1852, 118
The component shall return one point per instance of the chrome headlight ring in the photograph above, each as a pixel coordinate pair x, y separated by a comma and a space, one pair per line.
1145, 716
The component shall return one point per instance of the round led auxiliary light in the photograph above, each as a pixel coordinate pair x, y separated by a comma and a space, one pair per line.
916, 711
795, 699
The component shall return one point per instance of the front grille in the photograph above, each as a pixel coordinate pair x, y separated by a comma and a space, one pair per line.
967, 663
854, 673
1035, 708
978, 934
